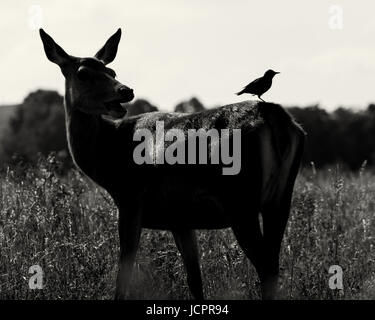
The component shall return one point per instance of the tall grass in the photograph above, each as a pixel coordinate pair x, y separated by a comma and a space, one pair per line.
68, 226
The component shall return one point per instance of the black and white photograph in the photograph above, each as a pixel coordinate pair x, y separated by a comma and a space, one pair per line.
195, 151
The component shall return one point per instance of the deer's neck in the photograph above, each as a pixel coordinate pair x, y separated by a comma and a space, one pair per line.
83, 131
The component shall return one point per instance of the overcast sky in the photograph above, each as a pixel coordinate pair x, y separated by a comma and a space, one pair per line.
172, 50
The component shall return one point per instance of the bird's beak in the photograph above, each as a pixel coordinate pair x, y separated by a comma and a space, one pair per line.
277, 72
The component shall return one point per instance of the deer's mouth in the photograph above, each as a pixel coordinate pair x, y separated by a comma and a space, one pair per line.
115, 109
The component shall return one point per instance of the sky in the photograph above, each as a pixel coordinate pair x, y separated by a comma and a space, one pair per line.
172, 50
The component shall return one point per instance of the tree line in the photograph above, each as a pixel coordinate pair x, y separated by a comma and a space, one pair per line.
37, 126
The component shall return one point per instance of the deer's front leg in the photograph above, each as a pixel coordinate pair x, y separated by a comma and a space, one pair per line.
186, 242
129, 232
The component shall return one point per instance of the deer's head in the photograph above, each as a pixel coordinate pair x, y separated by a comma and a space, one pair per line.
91, 86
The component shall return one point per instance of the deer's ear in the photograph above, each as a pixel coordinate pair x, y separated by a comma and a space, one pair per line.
53, 51
108, 53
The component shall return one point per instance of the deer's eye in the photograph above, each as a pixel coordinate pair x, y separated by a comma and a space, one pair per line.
83, 73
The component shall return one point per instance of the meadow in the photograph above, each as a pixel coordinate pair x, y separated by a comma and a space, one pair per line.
68, 226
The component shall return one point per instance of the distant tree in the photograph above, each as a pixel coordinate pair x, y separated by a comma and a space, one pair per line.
140, 106
190, 106
371, 108
38, 126
370, 132
320, 134
343, 136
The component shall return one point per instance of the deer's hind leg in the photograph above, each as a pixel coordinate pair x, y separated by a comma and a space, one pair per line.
249, 236
275, 218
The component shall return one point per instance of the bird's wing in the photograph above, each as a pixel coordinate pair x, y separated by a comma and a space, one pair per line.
253, 85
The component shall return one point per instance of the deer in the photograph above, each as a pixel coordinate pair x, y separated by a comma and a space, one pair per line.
181, 198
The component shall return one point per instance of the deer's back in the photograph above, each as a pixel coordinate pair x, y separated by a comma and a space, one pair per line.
244, 115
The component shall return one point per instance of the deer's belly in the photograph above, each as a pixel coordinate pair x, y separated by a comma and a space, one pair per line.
177, 221
197, 209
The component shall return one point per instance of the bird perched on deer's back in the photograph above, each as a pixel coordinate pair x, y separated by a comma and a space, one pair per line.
260, 85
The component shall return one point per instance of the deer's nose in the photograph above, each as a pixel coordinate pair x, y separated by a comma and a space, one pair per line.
126, 92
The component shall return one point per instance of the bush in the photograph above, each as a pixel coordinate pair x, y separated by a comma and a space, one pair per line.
38, 126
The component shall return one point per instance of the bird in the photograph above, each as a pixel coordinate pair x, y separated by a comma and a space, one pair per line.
259, 86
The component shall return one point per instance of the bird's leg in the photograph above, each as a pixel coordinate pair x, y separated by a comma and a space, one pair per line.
261, 99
